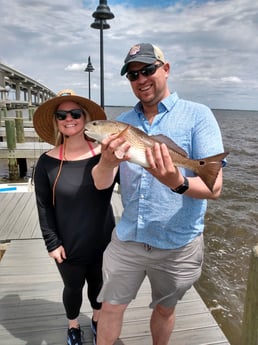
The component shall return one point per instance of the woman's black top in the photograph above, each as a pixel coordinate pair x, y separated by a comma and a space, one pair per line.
82, 218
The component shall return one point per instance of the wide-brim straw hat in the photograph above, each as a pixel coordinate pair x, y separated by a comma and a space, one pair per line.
43, 118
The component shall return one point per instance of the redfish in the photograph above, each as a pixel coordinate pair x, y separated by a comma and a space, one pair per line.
206, 168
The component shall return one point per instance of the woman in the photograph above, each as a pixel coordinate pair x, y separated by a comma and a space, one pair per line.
76, 219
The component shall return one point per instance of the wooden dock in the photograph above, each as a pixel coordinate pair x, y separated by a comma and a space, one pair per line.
29, 134
32, 148
31, 310
24, 150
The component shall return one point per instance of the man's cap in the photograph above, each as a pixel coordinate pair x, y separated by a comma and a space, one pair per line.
143, 52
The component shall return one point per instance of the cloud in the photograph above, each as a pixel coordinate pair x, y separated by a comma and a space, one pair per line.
75, 67
233, 80
212, 46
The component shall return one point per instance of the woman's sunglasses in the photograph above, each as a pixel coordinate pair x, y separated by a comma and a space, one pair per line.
145, 71
61, 115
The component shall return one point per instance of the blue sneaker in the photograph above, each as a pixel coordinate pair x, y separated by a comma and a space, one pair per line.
74, 336
94, 331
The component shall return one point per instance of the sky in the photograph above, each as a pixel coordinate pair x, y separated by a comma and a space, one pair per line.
212, 46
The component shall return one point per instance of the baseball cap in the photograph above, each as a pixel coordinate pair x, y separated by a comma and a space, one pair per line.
143, 52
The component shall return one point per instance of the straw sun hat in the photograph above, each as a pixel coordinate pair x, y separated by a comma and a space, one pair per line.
43, 118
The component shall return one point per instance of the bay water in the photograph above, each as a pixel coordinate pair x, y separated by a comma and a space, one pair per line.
232, 224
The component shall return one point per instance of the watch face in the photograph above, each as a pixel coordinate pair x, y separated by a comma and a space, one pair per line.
183, 188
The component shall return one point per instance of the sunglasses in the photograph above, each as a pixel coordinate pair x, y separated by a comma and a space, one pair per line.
145, 71
61, 115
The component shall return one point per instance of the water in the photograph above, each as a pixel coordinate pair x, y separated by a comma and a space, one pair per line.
231, 222
232, 225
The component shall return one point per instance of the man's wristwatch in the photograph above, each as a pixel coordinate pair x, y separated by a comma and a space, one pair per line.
182, 188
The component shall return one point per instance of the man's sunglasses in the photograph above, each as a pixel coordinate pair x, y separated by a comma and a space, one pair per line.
145, 71
61, 115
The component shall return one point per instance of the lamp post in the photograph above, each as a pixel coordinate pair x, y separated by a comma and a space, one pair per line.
102, 14
89, 69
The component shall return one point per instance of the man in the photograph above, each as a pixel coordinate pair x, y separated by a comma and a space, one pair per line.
160, 231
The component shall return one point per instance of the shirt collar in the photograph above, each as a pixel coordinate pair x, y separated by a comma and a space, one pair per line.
166, 104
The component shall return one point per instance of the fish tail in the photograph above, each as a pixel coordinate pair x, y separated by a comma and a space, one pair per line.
208, 169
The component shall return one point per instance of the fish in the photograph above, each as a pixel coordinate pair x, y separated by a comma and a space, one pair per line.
206, 168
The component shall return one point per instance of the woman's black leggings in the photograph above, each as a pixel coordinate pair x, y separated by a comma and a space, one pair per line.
74, 276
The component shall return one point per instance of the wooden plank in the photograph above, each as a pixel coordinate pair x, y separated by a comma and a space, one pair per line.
30, 150
19, 215
29, 134
6, 199
26, 123
27, 225
14, 215
31, 309
30, 282
9, 214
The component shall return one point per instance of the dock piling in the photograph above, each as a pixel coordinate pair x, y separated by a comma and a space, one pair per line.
4, 111
31, 112
10, 134
11, 144
13, 169
250, 318
19, 130
3, 114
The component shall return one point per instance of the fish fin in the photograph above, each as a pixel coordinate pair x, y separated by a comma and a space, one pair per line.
170, 143
119, 153
123, 131
209, 168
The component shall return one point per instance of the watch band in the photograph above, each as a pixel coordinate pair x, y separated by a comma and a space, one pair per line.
182, 188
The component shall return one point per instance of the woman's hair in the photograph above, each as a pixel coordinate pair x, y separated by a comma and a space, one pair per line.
58, 135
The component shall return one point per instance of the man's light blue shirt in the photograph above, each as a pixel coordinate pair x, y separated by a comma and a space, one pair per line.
153, 214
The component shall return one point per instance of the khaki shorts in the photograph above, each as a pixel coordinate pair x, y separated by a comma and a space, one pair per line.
170, 272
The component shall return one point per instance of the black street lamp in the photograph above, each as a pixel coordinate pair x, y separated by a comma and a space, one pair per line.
89, 69
102, 14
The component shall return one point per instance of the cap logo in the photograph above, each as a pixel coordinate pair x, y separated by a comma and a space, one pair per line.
66, 94
134, 50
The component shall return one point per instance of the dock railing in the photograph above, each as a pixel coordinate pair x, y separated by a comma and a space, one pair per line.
250, 317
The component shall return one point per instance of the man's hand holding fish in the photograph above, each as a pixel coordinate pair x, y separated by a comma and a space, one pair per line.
114, 150
162, 167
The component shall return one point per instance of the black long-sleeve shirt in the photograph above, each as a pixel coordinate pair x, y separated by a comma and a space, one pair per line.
82, 219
